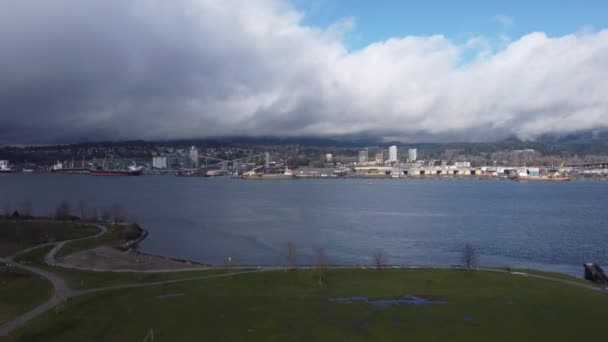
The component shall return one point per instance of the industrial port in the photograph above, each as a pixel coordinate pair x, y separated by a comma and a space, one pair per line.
385, 163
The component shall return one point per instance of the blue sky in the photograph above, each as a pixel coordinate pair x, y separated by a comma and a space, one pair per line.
458, 20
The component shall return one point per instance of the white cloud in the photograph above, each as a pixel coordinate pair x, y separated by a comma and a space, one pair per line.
503, 20
201, 68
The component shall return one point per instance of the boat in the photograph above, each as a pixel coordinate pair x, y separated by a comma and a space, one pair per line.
132, 170
190, 173
287, 174
5, 167
541, 179
59, 168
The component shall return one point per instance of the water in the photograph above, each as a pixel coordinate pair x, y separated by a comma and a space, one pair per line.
547, 226
385, 303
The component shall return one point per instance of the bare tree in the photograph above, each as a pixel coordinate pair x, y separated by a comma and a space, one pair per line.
26, 208
106, 215
7, 208
291, 255
63, 211
118, 214
94, 217
379, 258
321, 262
82, 207
469, 256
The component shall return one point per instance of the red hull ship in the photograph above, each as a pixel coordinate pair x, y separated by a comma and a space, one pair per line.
114, 173
131, 171
541, 179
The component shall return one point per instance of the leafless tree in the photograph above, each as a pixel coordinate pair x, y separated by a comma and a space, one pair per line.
106, 215
83, 209
291, 255
7, 208
469, 256
379, 258
63, 211
26, 208
321, 262
94, 217
118, 214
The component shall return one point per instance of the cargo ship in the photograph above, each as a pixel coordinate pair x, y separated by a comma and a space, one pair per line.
541, 179
130, 171
287, 174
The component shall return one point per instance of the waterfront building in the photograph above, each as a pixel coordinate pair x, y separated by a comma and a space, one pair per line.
329, 158
4, 166
194, 157
392, 154
462, 164
159, 163
363, 157
379, 158
412, 154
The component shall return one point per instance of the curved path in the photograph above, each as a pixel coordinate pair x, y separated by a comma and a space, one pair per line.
63, 292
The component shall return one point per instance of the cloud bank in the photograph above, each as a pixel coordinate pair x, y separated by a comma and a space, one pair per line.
76, 70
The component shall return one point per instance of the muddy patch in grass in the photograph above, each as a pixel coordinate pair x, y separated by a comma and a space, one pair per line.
383, 303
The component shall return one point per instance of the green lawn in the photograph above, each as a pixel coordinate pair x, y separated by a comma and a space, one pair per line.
113, 237
16, 235
88, 279
20, 291
293, 306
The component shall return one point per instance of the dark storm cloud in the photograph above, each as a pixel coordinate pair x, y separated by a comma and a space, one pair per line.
86, 70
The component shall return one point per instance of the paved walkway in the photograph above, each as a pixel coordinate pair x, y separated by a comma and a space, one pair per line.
62, 291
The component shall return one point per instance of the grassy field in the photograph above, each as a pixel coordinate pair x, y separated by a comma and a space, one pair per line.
279, 306
113, 237
20, 291
16, 235
87, 279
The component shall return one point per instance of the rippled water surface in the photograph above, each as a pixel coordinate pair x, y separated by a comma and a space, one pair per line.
549, 226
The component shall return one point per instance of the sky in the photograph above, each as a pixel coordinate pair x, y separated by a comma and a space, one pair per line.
75, 70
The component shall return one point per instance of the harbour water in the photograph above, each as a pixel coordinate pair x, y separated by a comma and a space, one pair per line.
547, 226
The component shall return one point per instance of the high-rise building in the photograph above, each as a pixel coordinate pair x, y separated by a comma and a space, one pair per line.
363, 156
194, 157
329, 158
380, 158
392, 154
159, 163
412, 154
